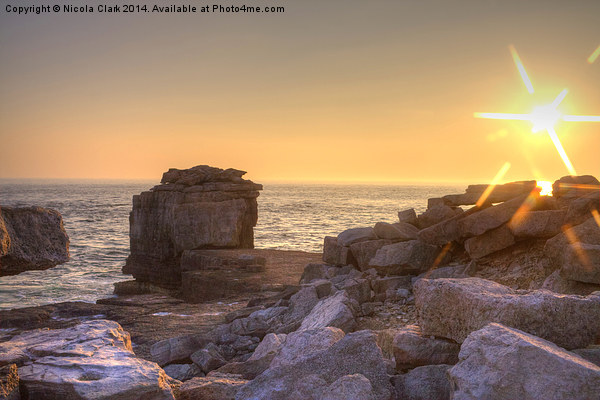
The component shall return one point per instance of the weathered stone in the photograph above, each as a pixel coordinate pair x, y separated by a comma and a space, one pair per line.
357, 289
314, 271
408, 216
569, 321
557, 249
270, 345
356, 353
435, 202
451, 271
301, 345
581, 208
537, 224
413, 349
489, 242
575, 186
176, 349
397, 232
363, 252
412, 257
556, 283
349, 387
335, 254
491, 217
301, 304
337, 311
90, 360
437, 214
355, 235
221, 213
212, 284
183, 372
322, 286
581, 262
499, 193
428, 382
215, 387
591, 353
381, 285
498, 362
9, 383
209, 358
31, 238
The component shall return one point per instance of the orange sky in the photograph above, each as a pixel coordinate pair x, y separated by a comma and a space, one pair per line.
337, 90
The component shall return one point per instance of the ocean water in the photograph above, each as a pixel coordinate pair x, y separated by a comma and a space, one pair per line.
95, 214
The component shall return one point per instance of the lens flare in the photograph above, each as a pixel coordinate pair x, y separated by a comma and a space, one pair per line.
545, 188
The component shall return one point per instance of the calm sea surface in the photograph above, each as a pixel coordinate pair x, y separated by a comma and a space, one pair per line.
290, 216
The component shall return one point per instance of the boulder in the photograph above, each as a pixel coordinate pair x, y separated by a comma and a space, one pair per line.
9, 383
591, 353
398, 232
355, 235
363, 252
349, 387
270, 345
209, 358
382, 285
575, 186
204, 207
499, 193
489, 242
498, 362
581, 208
335, 254
437, 214
491, 217
314, 271
408, 216
357, 289
301, 345
537, 224
569, 321
322, 286
31, 238
183, 372
90, 360
356, 353
428, 382
336, 311
176, 349
581, 263
404, 258
214, 387
413, 349
556, 283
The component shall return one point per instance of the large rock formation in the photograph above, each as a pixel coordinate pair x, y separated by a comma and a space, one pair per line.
198, 208
31, 238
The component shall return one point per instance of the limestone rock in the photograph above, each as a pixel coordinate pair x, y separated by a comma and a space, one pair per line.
437, 214
215, 387
498, 362
499, 193
315, 271
301, 345
575, 186
490, 218
31, 238
270, 345
556, 283
363, 252
397, 232
178, 348
424, 383
183, 372
355, 235
349, 387
90, 360
408, 216
591, 353
413, 349
489, 242
403, 258
581, 262
209, 358
537, 224
569, 321
335, 254
337, 311
381, 285
202, 207
580, 209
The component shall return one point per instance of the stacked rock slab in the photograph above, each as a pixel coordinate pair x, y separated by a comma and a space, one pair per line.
198, 208
31, 238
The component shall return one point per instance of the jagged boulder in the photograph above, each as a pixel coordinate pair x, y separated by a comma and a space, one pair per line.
31, 238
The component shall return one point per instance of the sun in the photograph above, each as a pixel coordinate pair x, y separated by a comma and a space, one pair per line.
544, 118
545, 188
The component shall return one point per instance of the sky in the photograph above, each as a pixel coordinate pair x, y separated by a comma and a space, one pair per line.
329, 90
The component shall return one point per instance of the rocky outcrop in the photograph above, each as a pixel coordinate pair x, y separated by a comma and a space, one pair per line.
197, 208
91, 360
31, 238
413, 349
498, 362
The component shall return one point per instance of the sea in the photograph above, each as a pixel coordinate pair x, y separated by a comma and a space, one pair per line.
291, 216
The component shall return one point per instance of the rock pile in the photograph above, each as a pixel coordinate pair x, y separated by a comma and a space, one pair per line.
198, 208
31, 238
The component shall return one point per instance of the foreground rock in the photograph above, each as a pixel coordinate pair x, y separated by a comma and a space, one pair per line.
91, 360
201, 207
498, 362
569, 321
31, 238
216, 387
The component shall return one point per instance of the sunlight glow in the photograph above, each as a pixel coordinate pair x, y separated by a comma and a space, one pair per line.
544, 117
596, 216
499, 175
521, 68
561, 151
581, 118
545, 188
594, 55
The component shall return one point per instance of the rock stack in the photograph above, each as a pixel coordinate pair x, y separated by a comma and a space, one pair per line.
198, 208
31, 238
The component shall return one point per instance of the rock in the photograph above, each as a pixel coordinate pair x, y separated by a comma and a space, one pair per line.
31, 238
90, 360
357, 289
309, 387
408, 216
574, 186
397, 232
556, 283
491, 217
581, 263
355, 235
437, 214
413, 349
335, 254
322, 286
270, 345
580, 209
424, 383
9, 383
336, 311
591, 353
489, 242
382, 285
209, 358
453, 271
569, 321
349, 387
301, 305
207, 207
404, 258
498, 362
217, 387
183, 372
363, 252
315, 271
537, 224
356, 353
301, 345
176, 349
499, 193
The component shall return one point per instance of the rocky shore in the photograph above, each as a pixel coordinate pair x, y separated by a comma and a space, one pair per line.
486, 295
